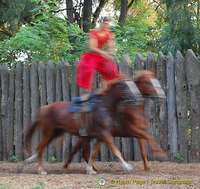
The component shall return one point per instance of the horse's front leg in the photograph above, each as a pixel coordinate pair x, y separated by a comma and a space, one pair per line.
108, 139
93, 153
142, 144
141, 134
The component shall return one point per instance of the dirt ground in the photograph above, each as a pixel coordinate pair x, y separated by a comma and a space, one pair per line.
165, 175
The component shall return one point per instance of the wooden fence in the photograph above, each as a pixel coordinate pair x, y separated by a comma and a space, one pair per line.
174, 123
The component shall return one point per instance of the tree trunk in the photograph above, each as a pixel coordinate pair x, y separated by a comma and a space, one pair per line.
125, 7
98, 11
70, 10
87, 13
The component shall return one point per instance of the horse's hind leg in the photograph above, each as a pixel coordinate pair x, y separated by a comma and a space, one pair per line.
45, 140
71, 154
142, 144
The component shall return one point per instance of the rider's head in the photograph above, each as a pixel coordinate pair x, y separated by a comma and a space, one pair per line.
105, 23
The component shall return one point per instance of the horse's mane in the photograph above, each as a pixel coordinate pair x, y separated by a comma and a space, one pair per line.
108, 84
142, 73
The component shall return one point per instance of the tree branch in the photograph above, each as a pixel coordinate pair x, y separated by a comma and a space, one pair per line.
98, 11
130, 4
6, 32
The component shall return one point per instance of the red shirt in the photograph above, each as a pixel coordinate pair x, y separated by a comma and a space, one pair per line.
102, 40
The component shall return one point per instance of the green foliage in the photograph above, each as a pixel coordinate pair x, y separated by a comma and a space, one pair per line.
15, 159
13, 14
136, 35
48, 37
179, 158
179, 34
53, 159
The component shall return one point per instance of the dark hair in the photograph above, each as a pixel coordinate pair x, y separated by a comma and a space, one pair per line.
106, 18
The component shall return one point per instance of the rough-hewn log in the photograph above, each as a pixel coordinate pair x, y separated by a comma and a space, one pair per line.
171, 98
161, 113
10, 126
150, 107
59, 140
181, 105
34, 103
125, 67
19, 111
4, 88
1, 125
26, 98
43, 95
65, 73
139, 64
75, 93
193, 79
51, 97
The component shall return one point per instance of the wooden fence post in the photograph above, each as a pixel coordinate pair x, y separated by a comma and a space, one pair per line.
150, 105
51, 97
161, 112
59, 97
172, 121
10, 126
75, 93
19, 112
181, 105
139, 64
5, 88
43, 95
26, 98
1, 125
34, 103
65, 73
193, 79
125, 67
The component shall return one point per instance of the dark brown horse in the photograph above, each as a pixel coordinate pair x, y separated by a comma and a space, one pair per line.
55, 119
131, 120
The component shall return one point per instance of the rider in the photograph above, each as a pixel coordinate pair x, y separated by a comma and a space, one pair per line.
97, 59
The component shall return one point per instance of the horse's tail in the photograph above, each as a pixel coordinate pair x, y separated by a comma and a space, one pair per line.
28, 135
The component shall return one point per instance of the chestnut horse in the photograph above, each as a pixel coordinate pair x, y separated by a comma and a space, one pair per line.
56, 119
131, 116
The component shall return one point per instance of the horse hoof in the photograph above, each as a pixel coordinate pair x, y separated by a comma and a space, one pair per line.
128, 168
147, 169
42, 173
90, 171
31, 159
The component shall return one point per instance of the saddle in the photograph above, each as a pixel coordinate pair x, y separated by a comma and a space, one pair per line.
79, 105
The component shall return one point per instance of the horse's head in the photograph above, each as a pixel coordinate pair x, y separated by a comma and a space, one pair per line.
148, 84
